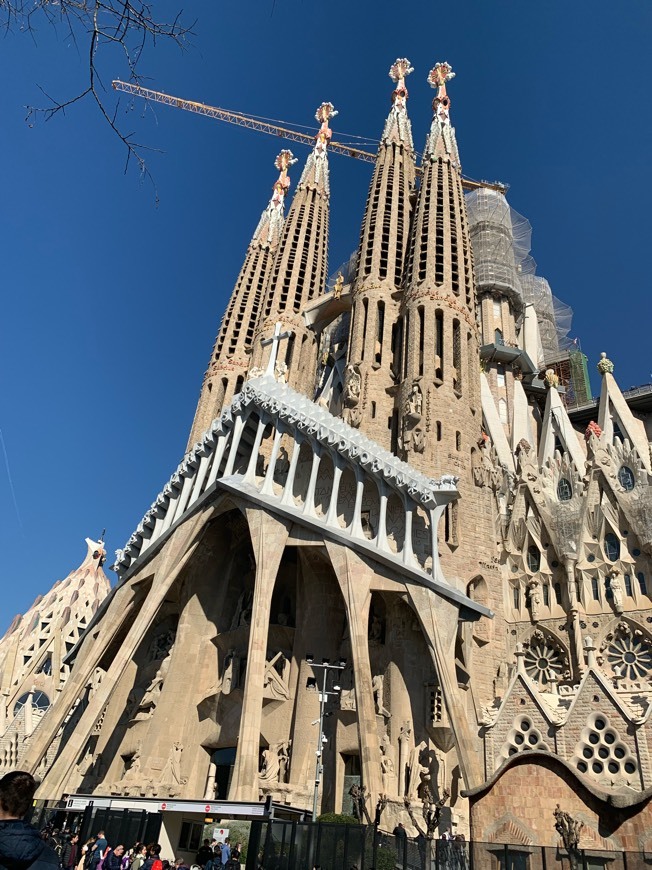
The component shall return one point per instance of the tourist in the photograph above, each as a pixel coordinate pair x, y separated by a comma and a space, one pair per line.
140, 856
69, 851
236, 852
153, 856
85, 852
113, 858
180, 864
21, 845
97, 850
205, 854
226, 852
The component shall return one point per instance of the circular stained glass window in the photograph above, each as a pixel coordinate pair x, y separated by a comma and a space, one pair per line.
626, 478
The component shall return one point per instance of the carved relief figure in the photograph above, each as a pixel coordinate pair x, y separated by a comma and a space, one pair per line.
534, 596
418, 773
152, 694
616, 587
275, 763
414, 402
242, 615
419, 441
378, 687
171, 775
388, 765
231, 672
275, 685
352, 385
161, 645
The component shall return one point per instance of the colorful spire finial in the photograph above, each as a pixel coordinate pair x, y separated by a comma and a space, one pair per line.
283, 161
437, 78
323, 114
397, 73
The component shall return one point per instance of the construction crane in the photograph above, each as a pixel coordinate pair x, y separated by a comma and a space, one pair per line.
261, 126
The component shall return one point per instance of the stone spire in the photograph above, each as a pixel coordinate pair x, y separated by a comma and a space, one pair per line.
300, 268
439, 411
374, 344
231, 352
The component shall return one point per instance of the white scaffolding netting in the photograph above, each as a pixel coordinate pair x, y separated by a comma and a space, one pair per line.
501, 239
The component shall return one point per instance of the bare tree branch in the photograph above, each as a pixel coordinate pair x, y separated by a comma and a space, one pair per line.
129, 25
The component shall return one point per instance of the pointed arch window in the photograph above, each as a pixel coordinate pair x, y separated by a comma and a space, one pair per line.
626, 478
533, 558
642, 585
628, 585
564, 490
595, 588
611, 546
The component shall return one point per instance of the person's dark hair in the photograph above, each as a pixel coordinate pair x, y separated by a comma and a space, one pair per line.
16, 793
154, 849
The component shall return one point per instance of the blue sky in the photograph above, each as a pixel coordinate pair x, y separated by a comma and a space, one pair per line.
111, 304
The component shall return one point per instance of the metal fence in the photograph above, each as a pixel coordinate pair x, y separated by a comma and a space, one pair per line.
281, 845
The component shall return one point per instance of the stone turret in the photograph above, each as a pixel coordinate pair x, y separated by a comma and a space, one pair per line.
231, 354
439, 398
374, 346
300, 269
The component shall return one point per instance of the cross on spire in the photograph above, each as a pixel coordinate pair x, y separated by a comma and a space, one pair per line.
274, 341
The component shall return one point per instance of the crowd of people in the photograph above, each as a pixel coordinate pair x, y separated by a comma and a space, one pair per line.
23, 847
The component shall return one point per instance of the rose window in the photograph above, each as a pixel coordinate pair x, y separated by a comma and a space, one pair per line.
542, 660
629, 658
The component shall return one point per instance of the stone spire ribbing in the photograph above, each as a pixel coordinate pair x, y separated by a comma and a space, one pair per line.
300, 266
374, 343
231, 352
438, 401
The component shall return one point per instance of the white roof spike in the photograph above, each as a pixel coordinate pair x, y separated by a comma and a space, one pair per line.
613, 407
521, 423
556, 424
530, 336
494, 426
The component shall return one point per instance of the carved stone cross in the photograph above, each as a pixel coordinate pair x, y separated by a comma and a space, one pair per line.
274, 341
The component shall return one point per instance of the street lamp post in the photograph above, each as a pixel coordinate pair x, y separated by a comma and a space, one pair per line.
324, 694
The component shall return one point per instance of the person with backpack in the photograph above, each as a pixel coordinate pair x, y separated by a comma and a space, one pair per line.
69, 851
21, 845
140, 856
204, 855
153, 861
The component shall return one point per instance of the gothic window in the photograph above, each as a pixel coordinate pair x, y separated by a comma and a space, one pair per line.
406, 337
422, 331
628, 585
533, 558
611, 546
542, 660
642, 585
557, 589
523, 735
439, 345
516, 597
365, 309
239, 384
498, 338
595, 588
438, 428
564, 490
40, 702
626, 478
629, 657
380, 328
500, 375
545, 588
457, 357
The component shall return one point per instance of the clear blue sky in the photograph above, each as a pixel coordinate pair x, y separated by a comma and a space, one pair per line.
111, 305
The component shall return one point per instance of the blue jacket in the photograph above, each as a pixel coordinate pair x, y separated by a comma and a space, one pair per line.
21, 847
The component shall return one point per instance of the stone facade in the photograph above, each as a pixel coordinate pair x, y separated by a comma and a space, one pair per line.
393, 480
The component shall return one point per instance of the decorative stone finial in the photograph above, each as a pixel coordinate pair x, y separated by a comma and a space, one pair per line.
397, 73
323, 114
519, 652
283, 161
440, 74
605, 365
592, 429
551, 379
589, 649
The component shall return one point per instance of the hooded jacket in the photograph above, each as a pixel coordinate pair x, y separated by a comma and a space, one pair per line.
21, 847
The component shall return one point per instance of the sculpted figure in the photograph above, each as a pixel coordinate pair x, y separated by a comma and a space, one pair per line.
270, 769
616, 587
152, 694
419, 773
414, 402
352, 385
378, 687
231, 672
534, 595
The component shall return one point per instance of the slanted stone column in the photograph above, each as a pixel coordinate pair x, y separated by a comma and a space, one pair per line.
355, 576
439, 619
268, 538
176, 554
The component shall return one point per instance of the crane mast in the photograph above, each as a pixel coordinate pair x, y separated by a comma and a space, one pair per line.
250, 123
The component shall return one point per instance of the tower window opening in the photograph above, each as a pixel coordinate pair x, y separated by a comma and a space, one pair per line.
497, 311
500, 375
373, 410
289, 351
611, 546
457, 357
564, 490
380, 328
595, 588
422, 330
407, 338
438, 429
365, 309
439, 346
458, 440
545, 588
239, 384
642, 585
557, 589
